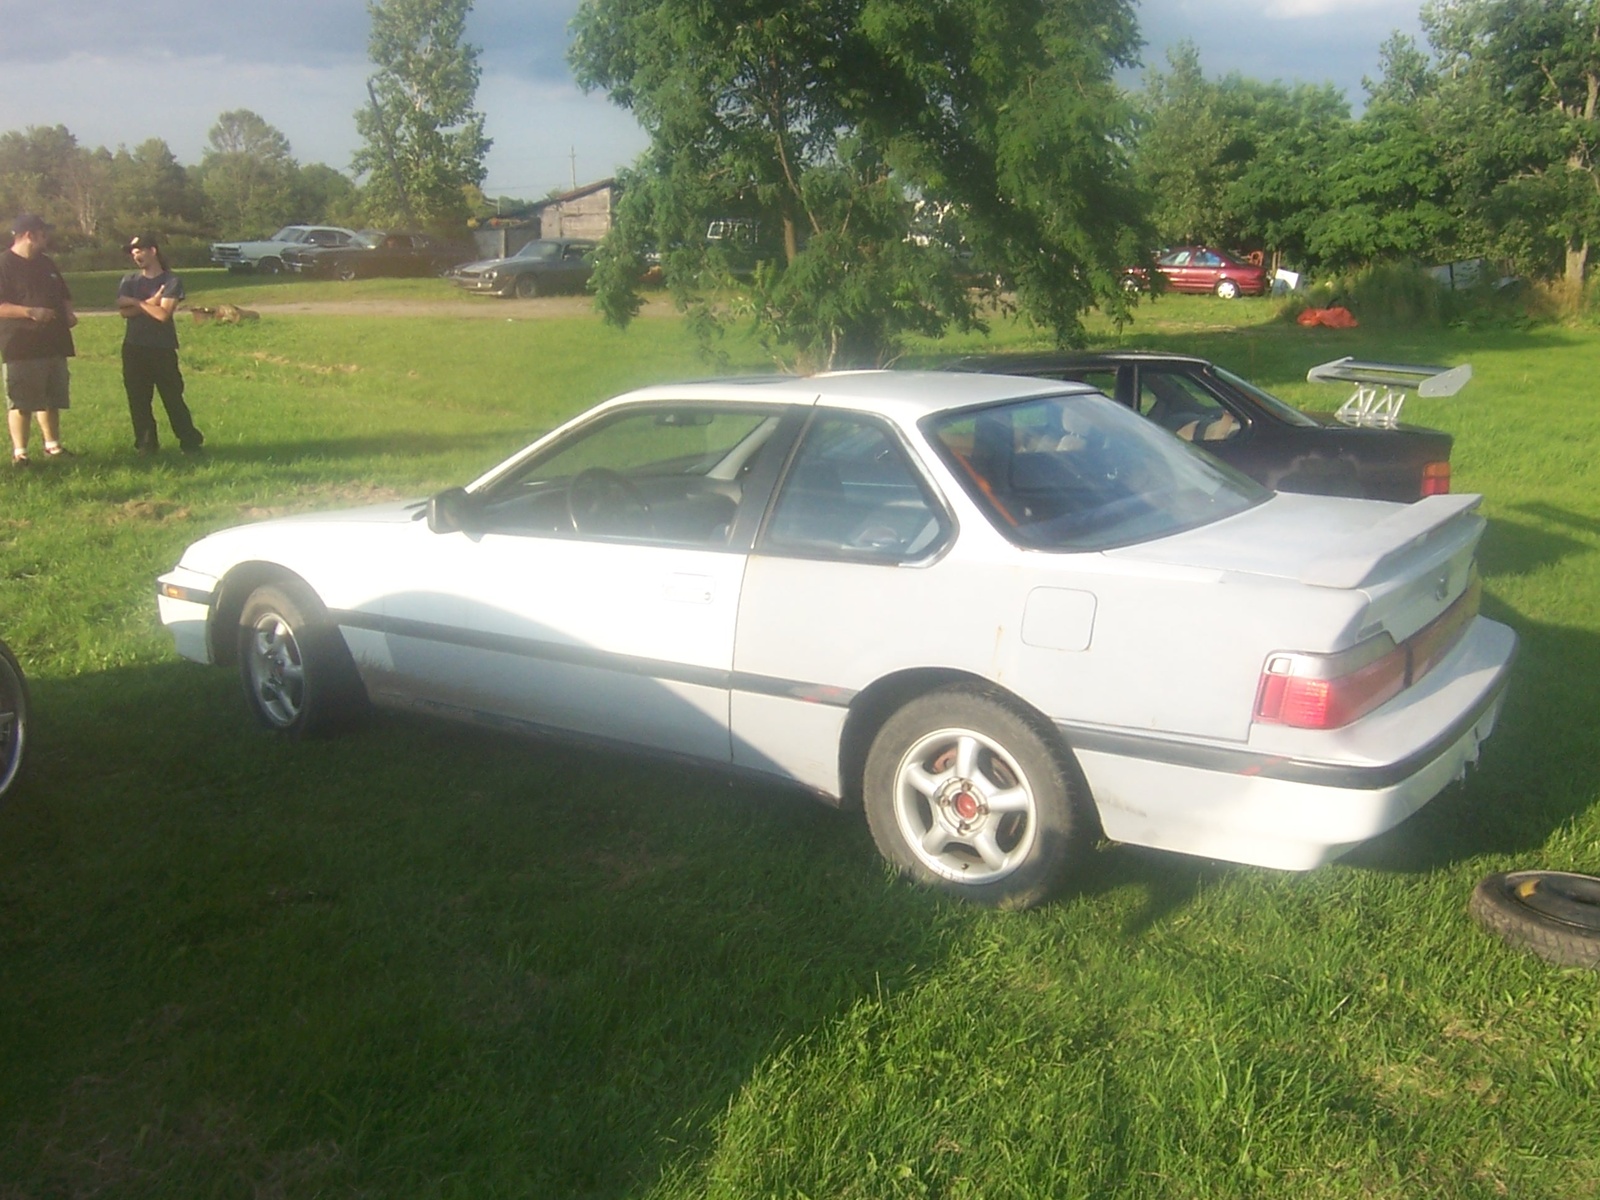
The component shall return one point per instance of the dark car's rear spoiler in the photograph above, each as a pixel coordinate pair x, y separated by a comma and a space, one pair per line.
1381, 387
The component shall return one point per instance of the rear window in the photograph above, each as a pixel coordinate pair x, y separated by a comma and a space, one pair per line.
1078, 472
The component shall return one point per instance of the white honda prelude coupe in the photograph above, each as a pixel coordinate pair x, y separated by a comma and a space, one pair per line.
1005, 615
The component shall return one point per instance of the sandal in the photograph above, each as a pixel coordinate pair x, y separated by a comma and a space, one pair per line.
19, 460
59, 451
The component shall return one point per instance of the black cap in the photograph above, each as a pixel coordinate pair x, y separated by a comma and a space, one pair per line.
29, 223
143, 241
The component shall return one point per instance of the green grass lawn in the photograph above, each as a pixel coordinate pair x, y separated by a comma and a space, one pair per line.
427, 961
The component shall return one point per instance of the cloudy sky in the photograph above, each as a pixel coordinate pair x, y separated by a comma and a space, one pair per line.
117, 73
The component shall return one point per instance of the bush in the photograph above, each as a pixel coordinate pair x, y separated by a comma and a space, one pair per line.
1401, 296
183, 252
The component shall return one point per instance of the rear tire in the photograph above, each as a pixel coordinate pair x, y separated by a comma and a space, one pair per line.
345, 272
13, 718
968, 793
1227, 289
297, 673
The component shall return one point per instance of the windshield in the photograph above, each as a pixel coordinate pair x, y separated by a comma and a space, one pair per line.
1281, 409
544, 251
1079, 472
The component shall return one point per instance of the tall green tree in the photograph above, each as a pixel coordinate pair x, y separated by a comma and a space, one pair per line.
44, 170
151, 189
1234, 161
1520, 81
247, 175
423, 141
1387, 191
820, 125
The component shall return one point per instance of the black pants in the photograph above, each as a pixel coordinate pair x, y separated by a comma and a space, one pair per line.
145, 371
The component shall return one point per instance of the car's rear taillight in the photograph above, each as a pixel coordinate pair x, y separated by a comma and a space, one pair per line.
1436, 479
1326, 691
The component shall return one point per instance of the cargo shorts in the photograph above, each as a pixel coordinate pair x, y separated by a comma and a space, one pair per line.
37, 384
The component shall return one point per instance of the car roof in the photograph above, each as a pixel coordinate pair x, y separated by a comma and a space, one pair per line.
904, 395
1070, 360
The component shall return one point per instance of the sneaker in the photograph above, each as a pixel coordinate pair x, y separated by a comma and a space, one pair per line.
145, 449
193, 448
59, 451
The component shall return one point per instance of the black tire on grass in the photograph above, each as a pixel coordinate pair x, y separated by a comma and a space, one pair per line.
13, 718
1554, 914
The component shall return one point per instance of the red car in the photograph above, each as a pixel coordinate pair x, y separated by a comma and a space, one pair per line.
1202, 269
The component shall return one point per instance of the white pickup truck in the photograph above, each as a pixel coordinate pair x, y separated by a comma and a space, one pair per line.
266, 256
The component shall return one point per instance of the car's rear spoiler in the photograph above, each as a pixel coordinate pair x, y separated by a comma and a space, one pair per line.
1356, 559
1381, 387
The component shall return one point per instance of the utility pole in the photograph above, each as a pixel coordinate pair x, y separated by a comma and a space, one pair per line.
572, 153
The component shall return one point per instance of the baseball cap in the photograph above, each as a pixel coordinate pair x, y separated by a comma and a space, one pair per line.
29, 223
143, 241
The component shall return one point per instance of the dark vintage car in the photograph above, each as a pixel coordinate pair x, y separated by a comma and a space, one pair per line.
1203, 269
542, 267
372, 254
1249, 428
13, 717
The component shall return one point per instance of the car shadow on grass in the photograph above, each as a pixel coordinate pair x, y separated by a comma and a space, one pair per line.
417, 952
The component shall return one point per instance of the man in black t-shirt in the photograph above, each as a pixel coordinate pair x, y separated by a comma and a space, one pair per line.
36, 309
147, 300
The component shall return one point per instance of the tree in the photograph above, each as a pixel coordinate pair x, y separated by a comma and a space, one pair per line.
325, 195
1387, 191
44, 170
248, 175
818, 125
424, 142
1520, 84
152, 190
1182, 156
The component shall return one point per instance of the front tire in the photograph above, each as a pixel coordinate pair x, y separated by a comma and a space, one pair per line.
526, 288
968, 793
13, 718
298, 676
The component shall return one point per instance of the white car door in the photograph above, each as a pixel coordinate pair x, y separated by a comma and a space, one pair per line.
597, 590
837, 594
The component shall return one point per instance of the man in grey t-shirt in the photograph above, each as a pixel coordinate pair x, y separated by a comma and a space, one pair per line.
147, 300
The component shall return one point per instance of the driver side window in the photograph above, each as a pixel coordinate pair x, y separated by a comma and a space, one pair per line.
851, 493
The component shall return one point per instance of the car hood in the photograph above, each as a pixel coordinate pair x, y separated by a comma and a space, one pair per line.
483, 264
1359, 540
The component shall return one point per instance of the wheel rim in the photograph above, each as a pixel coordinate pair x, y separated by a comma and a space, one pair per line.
1227, 289
964, 806
277, 671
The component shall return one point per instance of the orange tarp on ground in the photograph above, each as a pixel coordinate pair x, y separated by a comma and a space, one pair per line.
1333, 318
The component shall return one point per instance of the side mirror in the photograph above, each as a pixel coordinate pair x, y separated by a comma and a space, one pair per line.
452, 511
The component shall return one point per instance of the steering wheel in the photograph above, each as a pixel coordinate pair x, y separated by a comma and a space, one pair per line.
599, 500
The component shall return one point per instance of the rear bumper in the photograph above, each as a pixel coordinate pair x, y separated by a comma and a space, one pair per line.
1275, 808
